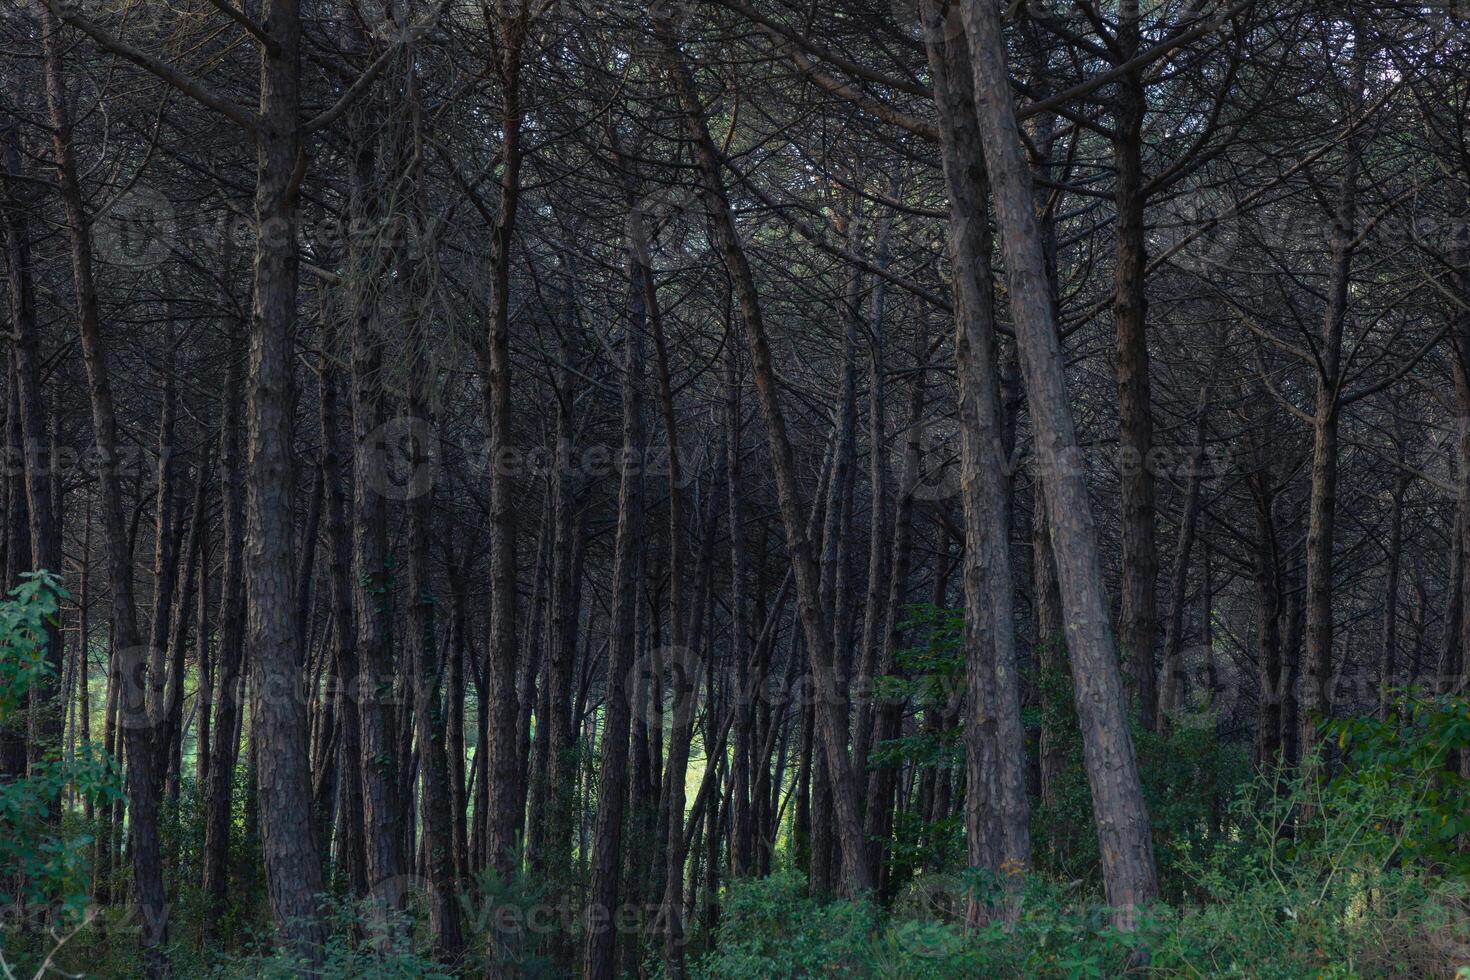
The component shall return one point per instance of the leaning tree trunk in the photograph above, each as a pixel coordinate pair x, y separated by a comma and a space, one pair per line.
857, 874
1119, 810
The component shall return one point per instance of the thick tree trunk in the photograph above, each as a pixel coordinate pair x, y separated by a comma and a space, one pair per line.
292, 864
1112, 769
997, 811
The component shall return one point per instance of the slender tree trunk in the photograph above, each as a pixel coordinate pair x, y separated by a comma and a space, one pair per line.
881, 782
1140, 572
130, 656
1388, 664
503, 819
230, 684
598, 956
38, 463
381, 760
444, 925
454, 721
857, 875
336, 474
1322, 510
561, 637
1266, 566
1171, 697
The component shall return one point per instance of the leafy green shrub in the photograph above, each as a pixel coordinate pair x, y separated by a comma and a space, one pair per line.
1303, 879
388, 955
1188, 776
1407, 772
45, 853
771, 928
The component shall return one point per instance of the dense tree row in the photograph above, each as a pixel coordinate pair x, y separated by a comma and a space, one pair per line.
531, 444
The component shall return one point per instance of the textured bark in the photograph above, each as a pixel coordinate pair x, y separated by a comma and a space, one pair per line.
130, 657
1119, 810
283, 764
997, 811
1138, 614
1051, 643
